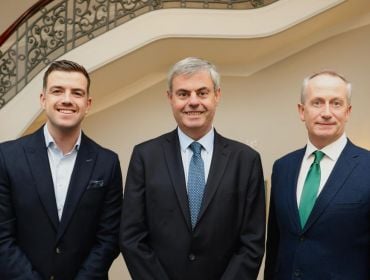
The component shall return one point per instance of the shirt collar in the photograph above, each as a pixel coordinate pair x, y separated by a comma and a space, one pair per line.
49, 140
206, 141
332, 150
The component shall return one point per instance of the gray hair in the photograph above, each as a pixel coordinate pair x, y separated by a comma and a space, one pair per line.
190, 66
329, 73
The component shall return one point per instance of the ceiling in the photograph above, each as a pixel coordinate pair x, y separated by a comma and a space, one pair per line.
241, 57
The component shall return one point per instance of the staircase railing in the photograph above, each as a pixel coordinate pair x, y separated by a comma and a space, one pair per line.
50, 28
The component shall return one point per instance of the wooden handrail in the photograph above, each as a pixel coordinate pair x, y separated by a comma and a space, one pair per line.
26, 15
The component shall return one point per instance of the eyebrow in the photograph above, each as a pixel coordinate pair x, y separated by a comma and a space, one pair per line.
73, 89
55, 87
198, 89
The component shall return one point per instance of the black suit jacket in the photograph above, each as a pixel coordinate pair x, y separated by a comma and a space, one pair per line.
34, 244
156, 236
335, 242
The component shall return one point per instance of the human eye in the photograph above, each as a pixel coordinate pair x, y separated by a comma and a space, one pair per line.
56, 91
203, 93
316, 103
337, 103
78, 93
182, 94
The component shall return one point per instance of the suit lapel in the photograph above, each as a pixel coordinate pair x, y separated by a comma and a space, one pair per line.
342, 169
292, 179
219, 161
36, 153
171, 149
81, 174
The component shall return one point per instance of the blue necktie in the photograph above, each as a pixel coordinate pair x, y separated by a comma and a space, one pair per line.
310, 188
196, 182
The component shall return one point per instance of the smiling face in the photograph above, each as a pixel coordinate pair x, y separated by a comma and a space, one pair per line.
65, 101
325, 110
194, 100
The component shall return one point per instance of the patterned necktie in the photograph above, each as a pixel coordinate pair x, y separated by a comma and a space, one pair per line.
310, 188
196, 182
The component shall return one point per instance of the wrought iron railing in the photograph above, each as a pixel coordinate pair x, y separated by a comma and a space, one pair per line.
44, 33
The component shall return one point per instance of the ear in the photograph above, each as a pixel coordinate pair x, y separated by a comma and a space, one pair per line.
169, 95
42, 99
301, 111
218, 95
89, 102
349, 111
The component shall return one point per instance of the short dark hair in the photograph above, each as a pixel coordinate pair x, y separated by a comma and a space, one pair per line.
66, 66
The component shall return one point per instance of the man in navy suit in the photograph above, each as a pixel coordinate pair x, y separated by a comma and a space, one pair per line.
60, 192
332, 239
162, 236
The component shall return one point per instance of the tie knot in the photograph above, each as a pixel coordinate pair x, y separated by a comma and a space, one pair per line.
318, 156
196, 147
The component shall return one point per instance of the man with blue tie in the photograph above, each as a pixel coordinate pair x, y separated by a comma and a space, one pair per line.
319, 220
60, 192
194, 201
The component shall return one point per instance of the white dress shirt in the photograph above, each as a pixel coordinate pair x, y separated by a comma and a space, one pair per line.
186, 153
332, 153
61, 168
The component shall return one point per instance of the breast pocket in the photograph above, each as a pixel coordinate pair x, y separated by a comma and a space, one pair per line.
348, 201
351, 204
95, 184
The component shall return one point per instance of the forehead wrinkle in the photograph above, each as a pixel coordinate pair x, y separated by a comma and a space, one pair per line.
332, 88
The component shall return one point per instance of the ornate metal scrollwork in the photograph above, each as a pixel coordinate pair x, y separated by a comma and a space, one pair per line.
46, 35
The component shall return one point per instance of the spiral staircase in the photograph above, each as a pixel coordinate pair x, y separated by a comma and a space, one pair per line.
128, 45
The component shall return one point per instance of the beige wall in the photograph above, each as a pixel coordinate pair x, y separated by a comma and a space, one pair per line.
259, 109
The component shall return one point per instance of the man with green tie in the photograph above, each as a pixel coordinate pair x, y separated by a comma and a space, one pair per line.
319, 226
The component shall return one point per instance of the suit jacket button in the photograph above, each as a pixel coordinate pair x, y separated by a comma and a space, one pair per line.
57, 250
192, 257
301, 238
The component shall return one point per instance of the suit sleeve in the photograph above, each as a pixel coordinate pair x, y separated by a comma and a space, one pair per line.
246, 261
139, 256
105, 249
14, 264
272, 236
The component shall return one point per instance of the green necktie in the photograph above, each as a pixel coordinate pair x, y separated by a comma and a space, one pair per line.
310, 188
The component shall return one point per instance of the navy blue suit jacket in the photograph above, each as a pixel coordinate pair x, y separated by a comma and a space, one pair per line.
34, 244
335, 242
157, 239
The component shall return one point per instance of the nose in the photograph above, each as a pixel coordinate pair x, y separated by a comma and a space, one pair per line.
193, 99
326, 112
67, 98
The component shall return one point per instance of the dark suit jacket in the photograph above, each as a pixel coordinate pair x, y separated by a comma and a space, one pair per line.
33, 243
156, 235
335, 242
